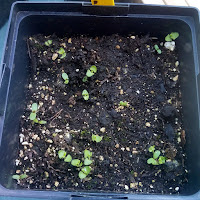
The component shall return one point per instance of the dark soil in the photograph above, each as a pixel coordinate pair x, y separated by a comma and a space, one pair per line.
128, 69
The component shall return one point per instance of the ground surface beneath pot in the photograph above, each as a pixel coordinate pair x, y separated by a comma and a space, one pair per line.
129, 70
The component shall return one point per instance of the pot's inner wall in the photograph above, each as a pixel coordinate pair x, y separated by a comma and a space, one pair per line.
70, 25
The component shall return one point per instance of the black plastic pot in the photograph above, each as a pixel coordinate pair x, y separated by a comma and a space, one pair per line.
27, 19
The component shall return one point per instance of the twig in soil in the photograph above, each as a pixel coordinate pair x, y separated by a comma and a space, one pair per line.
29, 53
56, 170
56, 115
102, 82
154, 38
145, 146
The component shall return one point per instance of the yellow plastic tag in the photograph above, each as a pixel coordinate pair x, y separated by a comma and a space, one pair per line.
103, 2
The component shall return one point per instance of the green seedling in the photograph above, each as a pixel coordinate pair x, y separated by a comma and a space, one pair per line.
152, 148
87, 161
34, 109
42, 122
19, 177
96, 138
87, 154
62, 154
90, 72
85, 78
76, 163
62, 52
85, 132
54, 134
82, 175
68, 158
157, 49
33, 115
85, 95
84, 172
161, 160
65, 77
123, 103
48, 43
171, 36
157, 159
107, 138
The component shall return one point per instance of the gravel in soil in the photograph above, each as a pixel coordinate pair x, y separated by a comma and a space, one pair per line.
129, 70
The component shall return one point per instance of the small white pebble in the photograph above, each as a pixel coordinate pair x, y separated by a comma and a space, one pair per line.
48, 186
178, 139
126, 187
137, 91
122, 148
58, 130
132, 37
24, 143
148, 124
170, 45
30, 86
101, 158
30, 145
103, 129
55, 55
30, 181
56, 183
177, 189
175, 78
133, 185
177, 63
127, 148
50, 141
77, 70
35, 137
21, 138
25, 158
121, 92
174, 70
53, 102
134, 152
17, 162
70, 40
41, 103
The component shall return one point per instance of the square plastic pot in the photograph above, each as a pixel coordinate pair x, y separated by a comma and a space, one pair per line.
27, 19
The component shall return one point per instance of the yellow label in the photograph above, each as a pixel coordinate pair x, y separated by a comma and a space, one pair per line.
103, 2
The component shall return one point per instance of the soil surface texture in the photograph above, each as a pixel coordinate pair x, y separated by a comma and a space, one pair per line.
130, 71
